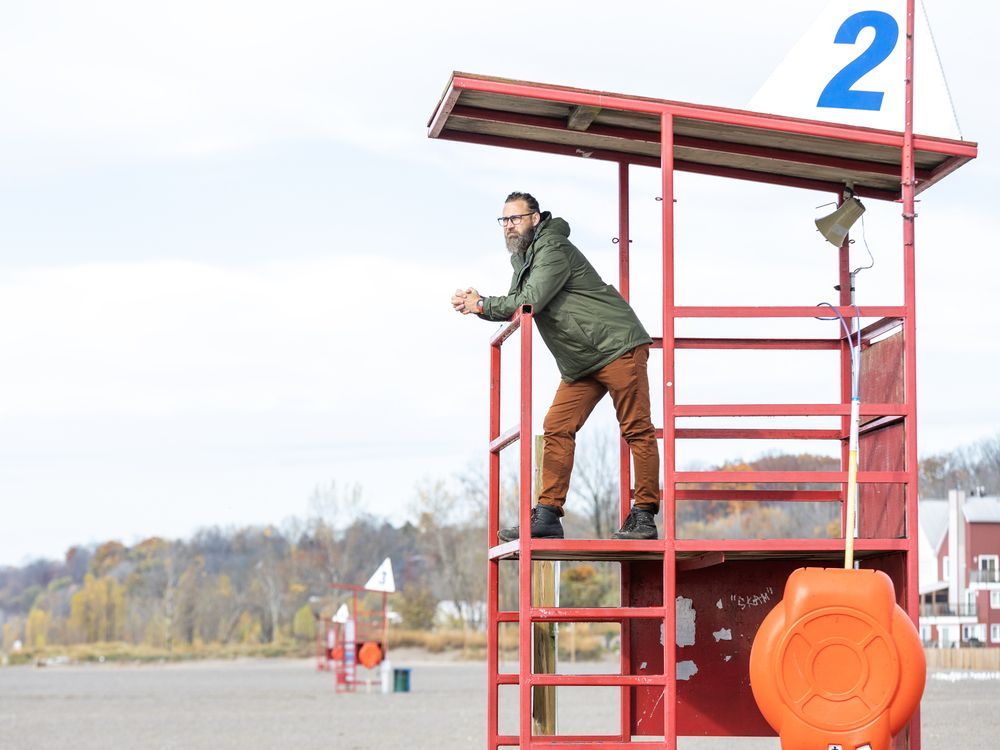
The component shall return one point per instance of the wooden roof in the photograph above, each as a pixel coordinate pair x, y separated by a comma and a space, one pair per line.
709, 140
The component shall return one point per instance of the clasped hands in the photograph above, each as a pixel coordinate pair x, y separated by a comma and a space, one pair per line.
465, 301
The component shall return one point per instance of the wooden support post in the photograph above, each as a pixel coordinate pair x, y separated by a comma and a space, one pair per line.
543, 586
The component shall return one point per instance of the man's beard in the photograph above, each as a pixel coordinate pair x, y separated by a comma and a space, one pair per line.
518, 243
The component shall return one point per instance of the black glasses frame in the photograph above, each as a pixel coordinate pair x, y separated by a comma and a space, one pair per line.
514, 220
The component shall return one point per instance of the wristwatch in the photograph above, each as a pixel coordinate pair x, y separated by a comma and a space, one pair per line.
479, 304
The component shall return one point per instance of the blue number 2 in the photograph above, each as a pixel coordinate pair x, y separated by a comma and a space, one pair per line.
838, 93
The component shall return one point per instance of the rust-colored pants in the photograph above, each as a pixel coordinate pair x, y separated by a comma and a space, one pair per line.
626, 380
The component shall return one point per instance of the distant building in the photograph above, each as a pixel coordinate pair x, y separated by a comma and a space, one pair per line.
451, 614
960, 571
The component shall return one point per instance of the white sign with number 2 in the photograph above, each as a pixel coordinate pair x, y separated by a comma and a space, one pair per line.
850, 67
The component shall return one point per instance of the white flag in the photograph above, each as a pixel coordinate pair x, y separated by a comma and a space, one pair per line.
850, 67
382, 579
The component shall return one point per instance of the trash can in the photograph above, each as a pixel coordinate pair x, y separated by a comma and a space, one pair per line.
400, 680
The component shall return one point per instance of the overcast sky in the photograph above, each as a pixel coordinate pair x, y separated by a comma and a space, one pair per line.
227, 246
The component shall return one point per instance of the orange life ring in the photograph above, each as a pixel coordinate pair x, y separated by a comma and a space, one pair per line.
837, 661
370, 654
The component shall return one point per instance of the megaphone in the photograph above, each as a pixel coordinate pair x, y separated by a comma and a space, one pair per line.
834, 227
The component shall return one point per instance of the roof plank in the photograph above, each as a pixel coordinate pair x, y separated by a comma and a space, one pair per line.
581, 117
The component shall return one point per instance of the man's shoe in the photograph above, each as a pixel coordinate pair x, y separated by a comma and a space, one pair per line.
545, 524
640, 524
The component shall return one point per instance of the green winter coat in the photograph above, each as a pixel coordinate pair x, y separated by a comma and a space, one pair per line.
585, 323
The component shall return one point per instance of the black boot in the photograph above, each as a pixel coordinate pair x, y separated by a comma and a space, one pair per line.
640, 524
545, 524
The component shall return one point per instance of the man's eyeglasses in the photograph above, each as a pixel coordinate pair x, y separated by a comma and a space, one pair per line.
513, 220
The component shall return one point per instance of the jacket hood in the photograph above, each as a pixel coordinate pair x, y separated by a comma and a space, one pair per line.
554, 225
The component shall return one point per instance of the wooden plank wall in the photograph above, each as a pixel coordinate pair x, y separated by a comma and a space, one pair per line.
975, 659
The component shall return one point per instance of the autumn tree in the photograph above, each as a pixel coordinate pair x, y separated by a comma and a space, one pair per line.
452, 537
417, 606
973, 468
36, 628
97, 611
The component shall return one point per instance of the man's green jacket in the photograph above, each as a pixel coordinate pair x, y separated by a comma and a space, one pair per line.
585, 323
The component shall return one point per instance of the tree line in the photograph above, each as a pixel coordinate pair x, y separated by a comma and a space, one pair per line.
268, 584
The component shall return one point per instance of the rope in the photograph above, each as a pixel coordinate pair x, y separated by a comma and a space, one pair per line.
944, 77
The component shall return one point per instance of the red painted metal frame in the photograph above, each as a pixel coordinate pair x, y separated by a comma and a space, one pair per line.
624, 456
908, 179
669, 410
688, 554
525, 652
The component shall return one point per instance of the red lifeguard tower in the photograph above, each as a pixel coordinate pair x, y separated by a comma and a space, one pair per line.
356, 637
700, 686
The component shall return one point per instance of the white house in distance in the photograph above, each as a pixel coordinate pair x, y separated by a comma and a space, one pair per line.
960, 571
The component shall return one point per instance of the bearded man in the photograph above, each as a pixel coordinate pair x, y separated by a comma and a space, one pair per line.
599, 346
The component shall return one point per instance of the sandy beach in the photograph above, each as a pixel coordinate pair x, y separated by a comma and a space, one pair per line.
245, 705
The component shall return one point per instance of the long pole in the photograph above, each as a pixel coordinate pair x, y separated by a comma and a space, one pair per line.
669, 541
524, 514
910, 350
625, 468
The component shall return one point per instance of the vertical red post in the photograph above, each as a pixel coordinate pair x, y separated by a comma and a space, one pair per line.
493, 566
669, 401
910, 353
624, 460
844, 277
524, 564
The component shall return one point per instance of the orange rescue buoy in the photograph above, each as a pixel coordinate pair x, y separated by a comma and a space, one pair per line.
370, 654
837, 661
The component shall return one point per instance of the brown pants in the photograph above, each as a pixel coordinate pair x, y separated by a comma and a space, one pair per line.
626, 380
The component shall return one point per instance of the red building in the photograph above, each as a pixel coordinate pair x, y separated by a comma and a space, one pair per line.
960, 571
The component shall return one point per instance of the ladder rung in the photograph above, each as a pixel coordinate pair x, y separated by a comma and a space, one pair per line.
585, 614
512, 435
596, 680
584, 680
755, 343
615, 744
811, 496
595, 614
754, 433
786, 311
580, 742
787, 410
789, 477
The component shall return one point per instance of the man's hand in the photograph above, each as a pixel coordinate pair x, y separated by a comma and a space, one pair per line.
471, 301
466, 301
